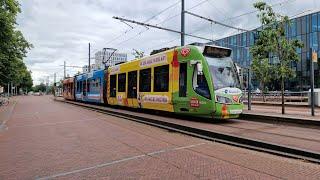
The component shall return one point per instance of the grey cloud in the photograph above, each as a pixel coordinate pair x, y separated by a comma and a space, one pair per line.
60, 30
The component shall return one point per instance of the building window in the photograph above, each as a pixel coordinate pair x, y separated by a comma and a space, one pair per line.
122, 82
299, 49
314, 23
314, 40
304, 25
307, 18
293, 27
318, 21
113, 85
161, 79
145, 80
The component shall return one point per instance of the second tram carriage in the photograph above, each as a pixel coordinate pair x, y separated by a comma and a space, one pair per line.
193, 80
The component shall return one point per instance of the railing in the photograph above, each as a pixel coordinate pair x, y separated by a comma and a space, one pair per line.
275, 96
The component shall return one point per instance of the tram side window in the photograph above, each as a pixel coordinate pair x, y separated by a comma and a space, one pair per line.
78, 86
200, 84
122, 82
113, 85
145, 80
132, 84
84, 88
98, 83
88, 85
161, 79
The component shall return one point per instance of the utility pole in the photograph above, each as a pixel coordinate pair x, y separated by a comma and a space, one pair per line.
64, 69
182, 23
89, 67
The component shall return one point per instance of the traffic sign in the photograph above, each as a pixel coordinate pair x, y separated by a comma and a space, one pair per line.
314, 56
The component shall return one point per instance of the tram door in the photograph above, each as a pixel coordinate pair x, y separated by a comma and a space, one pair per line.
132, 89
182, 101
84, 89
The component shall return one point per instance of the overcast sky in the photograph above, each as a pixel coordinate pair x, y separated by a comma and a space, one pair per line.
60, 30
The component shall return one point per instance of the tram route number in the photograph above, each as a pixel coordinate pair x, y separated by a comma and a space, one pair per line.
194, 102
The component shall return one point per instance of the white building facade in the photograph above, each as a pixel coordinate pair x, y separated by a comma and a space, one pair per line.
85, 68
110, 57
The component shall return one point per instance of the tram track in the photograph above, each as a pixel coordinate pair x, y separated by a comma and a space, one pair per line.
226, 138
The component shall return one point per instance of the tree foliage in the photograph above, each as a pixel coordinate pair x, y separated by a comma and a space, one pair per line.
40, 88
263, 72
273, 44
13, 47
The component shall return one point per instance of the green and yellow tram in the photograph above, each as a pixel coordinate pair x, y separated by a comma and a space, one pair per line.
191, 80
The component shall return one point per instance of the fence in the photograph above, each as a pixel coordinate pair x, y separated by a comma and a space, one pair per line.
275, 96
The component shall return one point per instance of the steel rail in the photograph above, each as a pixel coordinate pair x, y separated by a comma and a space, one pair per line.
248, 143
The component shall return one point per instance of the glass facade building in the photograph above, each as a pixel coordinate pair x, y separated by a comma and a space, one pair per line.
305, 28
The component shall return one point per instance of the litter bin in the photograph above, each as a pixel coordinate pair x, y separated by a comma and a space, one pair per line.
316, 97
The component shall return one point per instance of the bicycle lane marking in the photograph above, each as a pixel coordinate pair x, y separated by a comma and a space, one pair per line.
6, 114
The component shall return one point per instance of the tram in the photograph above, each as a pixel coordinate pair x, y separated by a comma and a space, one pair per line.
192, 80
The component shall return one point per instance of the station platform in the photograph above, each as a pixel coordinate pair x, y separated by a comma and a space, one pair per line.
293, 112
45, 139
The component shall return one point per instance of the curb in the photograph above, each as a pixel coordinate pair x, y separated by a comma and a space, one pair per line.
279, 119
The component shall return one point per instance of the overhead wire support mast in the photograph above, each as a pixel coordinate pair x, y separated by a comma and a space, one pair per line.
216, 22
162, 28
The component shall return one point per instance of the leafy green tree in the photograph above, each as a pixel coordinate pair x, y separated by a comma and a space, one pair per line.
272, 43
263, 72
41, 87
13, 47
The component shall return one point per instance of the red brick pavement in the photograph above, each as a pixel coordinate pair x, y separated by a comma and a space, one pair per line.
47, 139
294, 136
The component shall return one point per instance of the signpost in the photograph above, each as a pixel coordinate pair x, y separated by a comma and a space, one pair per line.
314, 58
249, 89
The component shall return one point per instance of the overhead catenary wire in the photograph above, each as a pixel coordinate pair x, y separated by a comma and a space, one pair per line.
149, 19
167, 29
216, 22
228, 19
165, 20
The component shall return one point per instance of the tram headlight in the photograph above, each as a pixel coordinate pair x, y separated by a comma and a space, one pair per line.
223, 100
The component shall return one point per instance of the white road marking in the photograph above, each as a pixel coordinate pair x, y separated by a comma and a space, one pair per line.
52, 124
118, 161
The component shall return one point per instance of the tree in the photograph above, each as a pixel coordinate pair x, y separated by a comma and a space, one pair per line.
40, 88
263, 72
13, 47
273, 44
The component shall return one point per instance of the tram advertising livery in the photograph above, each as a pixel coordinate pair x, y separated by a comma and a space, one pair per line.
191, 80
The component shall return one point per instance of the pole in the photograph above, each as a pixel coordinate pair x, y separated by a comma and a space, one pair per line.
11, 89
8, 89
249, 90
311, 82
54, 85
89, 68
182, 23
64, 69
